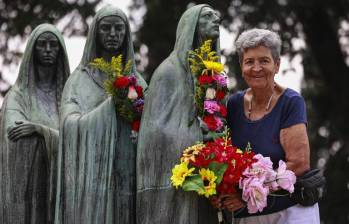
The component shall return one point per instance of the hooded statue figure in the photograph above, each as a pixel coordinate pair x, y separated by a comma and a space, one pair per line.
169, 125
97, 160
29, 130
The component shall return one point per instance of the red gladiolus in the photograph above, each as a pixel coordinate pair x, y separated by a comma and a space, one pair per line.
220, 94
223, 110
139, 91
205, 79
136, 125
121, 82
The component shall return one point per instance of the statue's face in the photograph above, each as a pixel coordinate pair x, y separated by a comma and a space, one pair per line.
111, 33
208, 24
46, 49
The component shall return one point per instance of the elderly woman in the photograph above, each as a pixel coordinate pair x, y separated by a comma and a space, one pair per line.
273, 120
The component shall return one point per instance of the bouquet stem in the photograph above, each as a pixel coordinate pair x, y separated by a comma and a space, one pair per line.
222, 218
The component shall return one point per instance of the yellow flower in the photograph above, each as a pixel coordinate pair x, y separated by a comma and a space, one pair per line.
209, 178
190, 152
179, 173
215, 66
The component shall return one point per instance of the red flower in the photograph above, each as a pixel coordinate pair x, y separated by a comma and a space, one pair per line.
205, 79
139, 91
223, 110
136, 125
121, 82
220, 94
211, 122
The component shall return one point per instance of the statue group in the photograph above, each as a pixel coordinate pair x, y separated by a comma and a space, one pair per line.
67, 157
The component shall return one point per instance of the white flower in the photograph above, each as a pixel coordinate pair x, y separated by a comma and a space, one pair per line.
210, 94
132, 93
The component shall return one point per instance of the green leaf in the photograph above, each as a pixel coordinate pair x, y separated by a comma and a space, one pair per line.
193, 183
218, 169
215, 135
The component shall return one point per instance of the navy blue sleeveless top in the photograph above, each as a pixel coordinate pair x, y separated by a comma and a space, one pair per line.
264, 135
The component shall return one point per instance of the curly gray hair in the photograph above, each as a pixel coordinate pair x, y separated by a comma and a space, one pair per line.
258, 37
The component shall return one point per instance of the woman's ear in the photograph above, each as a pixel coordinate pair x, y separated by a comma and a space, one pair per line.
277, 65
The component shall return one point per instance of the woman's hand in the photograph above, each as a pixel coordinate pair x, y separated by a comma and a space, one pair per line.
216, 202
232, 202
22, 129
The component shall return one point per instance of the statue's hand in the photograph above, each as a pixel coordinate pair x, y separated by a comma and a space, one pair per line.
205, 131
203, 125
22, 129
134, 137
207, 137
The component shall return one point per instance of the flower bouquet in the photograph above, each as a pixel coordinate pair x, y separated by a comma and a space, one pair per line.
123, 87
218, 167
210, 88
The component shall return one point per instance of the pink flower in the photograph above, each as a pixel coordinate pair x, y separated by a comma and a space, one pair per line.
211, 106
213, 123
219, 123
285, 178
221, 79
255, 194
270, 180
132, 79
261, 169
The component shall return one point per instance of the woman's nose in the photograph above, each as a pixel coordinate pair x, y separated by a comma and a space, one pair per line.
256, 67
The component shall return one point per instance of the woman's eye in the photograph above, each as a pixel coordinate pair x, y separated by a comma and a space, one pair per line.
264, 62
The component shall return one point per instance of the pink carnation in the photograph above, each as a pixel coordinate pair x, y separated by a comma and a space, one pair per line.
221, 79
219, 123
211, 106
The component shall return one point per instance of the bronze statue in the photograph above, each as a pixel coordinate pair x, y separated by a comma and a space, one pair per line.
169, 125
29, 130
97, 176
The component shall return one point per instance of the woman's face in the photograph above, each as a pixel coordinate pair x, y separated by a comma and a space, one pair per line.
208, 24
111, 33
258, 67
46, 49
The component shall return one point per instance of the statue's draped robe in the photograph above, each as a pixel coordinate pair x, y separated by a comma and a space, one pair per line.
28, 166
165, 132
97, 157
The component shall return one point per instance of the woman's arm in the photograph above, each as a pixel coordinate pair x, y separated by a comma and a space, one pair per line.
295, 142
